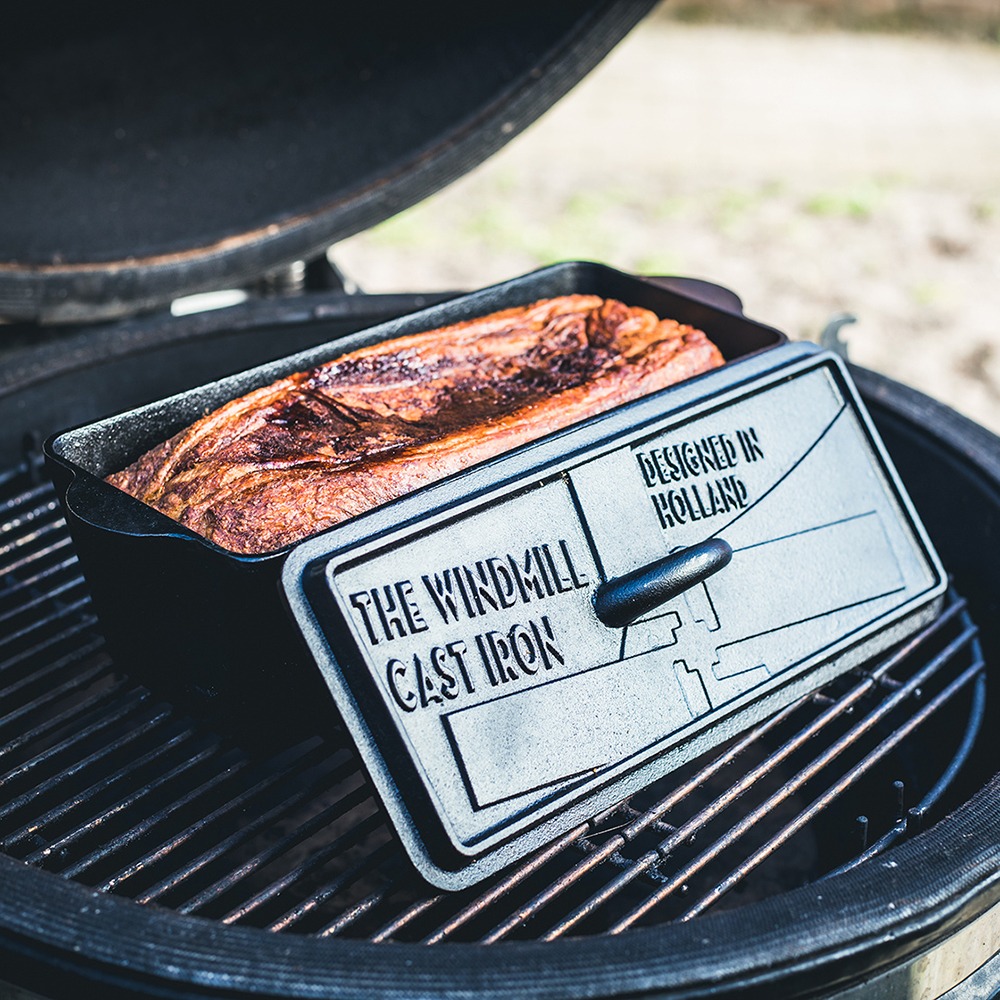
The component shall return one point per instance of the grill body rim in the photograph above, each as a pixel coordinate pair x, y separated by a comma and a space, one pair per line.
55, 934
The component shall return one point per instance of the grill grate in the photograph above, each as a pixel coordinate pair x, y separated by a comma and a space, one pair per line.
103, 783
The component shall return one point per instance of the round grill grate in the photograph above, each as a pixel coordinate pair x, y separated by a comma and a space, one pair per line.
103, 783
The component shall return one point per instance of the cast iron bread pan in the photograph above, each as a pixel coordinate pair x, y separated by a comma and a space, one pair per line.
207, 627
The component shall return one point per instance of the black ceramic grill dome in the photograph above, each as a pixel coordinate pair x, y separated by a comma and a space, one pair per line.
154, 151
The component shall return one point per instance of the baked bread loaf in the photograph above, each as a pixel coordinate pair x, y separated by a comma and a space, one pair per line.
310, 450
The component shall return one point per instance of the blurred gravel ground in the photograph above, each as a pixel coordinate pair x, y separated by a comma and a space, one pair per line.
812, 172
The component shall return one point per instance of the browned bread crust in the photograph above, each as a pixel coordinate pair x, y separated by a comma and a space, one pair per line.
310, 450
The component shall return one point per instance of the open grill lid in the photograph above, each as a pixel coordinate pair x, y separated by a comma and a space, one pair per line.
152, 152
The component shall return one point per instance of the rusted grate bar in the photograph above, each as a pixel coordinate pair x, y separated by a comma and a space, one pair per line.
12, 581
43, 625
18, 533
89, 718
80, 674
356, 912
312, 783
820, 803
121, 806
32, 583
283, 768
23, 498
149, 719
83, 797
302, 833
37, 656
281, 887
226, 767
386, 852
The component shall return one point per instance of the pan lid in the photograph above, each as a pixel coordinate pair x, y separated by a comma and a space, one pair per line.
155, 151
517, 650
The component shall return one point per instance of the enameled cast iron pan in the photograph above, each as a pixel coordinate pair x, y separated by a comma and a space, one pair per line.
211, 626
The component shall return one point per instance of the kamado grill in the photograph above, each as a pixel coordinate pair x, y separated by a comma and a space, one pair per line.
843, 842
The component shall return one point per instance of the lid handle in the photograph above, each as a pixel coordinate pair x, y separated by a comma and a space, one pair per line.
620, 601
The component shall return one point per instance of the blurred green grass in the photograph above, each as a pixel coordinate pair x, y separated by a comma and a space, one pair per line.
979, 19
